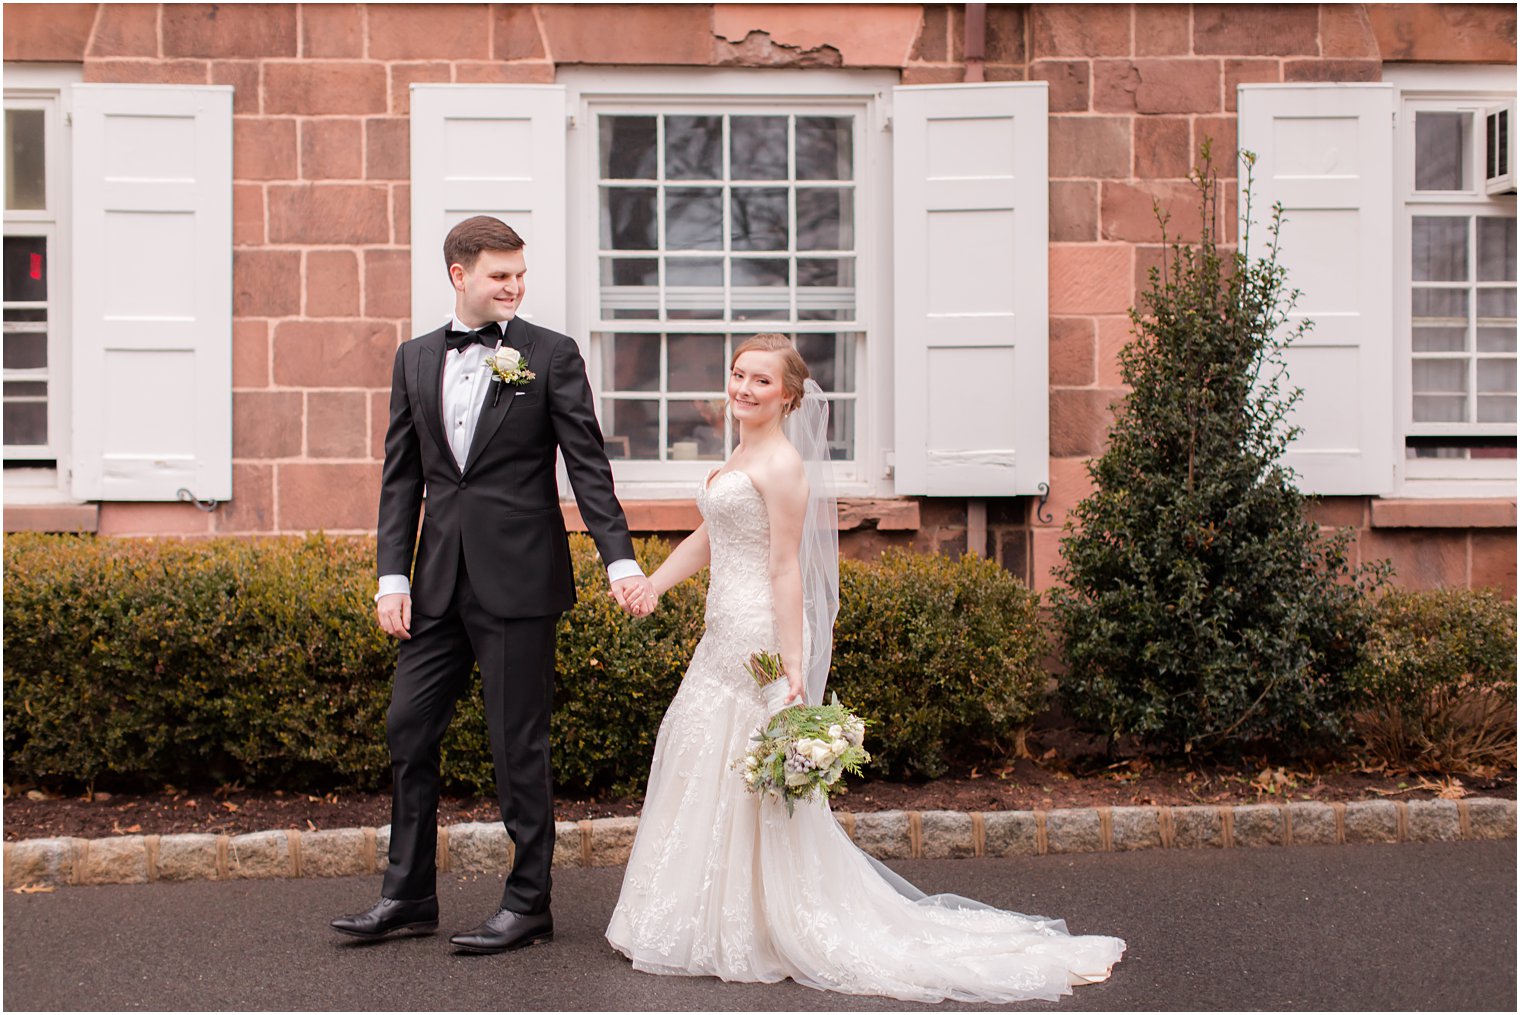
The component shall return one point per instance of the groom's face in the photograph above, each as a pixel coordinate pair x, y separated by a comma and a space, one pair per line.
491, 289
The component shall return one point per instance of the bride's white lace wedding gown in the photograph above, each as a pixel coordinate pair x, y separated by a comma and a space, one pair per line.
722, 882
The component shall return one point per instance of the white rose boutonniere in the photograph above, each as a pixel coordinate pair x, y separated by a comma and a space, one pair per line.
507, 364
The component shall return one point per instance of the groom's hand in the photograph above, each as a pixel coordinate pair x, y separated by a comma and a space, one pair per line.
635, 595
395, 615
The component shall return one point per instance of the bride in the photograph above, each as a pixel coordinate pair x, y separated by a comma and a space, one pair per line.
722, 882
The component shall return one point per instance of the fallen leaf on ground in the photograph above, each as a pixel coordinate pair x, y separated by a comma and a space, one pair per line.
32, 889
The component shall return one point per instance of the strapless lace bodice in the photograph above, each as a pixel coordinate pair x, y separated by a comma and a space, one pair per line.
739, 614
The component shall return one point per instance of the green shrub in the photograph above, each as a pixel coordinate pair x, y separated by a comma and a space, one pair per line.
1438, 682
140, 662
1201, 609
942, 656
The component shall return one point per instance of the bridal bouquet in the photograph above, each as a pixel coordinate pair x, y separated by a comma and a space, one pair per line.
801, 751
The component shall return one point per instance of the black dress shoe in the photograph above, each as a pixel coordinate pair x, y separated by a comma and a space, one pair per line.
506, 931
391, 916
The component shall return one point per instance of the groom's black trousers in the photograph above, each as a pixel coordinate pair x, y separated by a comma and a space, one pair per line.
516, 659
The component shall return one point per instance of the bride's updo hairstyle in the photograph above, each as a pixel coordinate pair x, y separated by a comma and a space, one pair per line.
794, 369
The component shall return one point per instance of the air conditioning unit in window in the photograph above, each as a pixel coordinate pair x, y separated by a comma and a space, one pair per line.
1499, 165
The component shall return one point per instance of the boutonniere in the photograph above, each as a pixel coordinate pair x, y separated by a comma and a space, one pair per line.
507, 364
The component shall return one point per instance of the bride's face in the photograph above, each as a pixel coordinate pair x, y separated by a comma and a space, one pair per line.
755, 390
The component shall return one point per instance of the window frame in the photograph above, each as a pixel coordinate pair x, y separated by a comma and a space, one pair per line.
645, 91
47, 86
1420, 89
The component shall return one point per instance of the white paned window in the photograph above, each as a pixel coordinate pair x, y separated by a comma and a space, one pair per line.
1457, 283
714, 224
36, 294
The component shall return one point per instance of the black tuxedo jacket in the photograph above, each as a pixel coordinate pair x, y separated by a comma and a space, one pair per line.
500, 515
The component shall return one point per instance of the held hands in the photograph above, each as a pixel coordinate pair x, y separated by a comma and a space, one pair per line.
636, 595
395, 615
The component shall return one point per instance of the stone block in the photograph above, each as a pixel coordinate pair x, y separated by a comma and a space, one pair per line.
266, 283
515, 34
1078, 29
921, 74
402, 76
256, 31
1156, 86
567, 844
1129, 211
1080, 419
1114, 333
1074, 831
612, 840
250, 354
382, 848
1372, 821
1163, 29
387, 283
337, 424
1437, 33
387, 148
332, 149
1070, 83
1444, 513
325, 88
933, 42
1135, 828
945, 835
876, 35
332, 283
437, 31
332, 31
1493, 561
1073, 211
1433, 821
1423, 558
329, 213
1163, 145
1345, 31
187, 857
884, 834
120, 30
675, 34
1242, 72
1490, 818
1073, 351
1197, 827
243, 76
379, 420
1332, 70
1258, 825
49, 32
337, 852
536, 72
149, 72
328, 496
1088, 278
266, 424
1045, 557
401, 218
119, 860
1010, 833
334, 354
39, 862
1256, 29
480, 847
122, 518
1313, 824
247, 215
260, 855
251, 508
263, 148
1089, 146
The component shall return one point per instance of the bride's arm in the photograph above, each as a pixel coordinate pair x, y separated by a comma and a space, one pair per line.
685, 560
786, 493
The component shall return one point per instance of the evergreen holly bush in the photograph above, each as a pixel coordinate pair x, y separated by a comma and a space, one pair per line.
1201, 608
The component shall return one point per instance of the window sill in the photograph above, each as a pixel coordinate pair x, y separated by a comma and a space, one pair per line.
682, 516
1451, 513
54, 517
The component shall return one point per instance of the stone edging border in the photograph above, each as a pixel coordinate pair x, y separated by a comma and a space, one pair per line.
484, 848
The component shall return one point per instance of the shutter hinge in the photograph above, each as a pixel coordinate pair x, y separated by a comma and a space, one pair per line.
886, 124
68, 119
889, 469
570, 122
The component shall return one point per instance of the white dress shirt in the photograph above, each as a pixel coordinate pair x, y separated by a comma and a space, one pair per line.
465, 379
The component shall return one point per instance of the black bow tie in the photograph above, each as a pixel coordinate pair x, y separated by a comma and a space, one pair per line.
487, 335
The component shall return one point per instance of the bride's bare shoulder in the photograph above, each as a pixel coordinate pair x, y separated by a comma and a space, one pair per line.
780, 470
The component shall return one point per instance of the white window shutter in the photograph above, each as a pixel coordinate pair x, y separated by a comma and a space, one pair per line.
489, 150
971, 363
1326, 152
152, 292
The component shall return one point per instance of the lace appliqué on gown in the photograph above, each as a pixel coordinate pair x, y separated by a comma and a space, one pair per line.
722, 882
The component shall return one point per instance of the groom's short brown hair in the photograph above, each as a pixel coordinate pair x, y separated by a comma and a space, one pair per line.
481, 232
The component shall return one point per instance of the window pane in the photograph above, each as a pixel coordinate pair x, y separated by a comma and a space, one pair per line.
630, 287
25, 350
841, 430
694, 147
628, 147
25, 389
25, 264
1441, 149
1496, 320
826, 289
830, 359
1496, 249
25, 160
631, 428
1440, 248
629, 221
696, 363
694, 218
1439, 319
1440, 388
757, 147
633, 362
696, 429
1496, 387
825, 219
694, 288
25, 422
825, 148
760, 289
759, 219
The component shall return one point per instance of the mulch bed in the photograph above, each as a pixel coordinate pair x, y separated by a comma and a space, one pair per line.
30, 812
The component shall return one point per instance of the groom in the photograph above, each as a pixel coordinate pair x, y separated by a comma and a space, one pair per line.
474, 429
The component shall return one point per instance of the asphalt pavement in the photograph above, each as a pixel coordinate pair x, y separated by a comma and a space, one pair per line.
1406, 926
